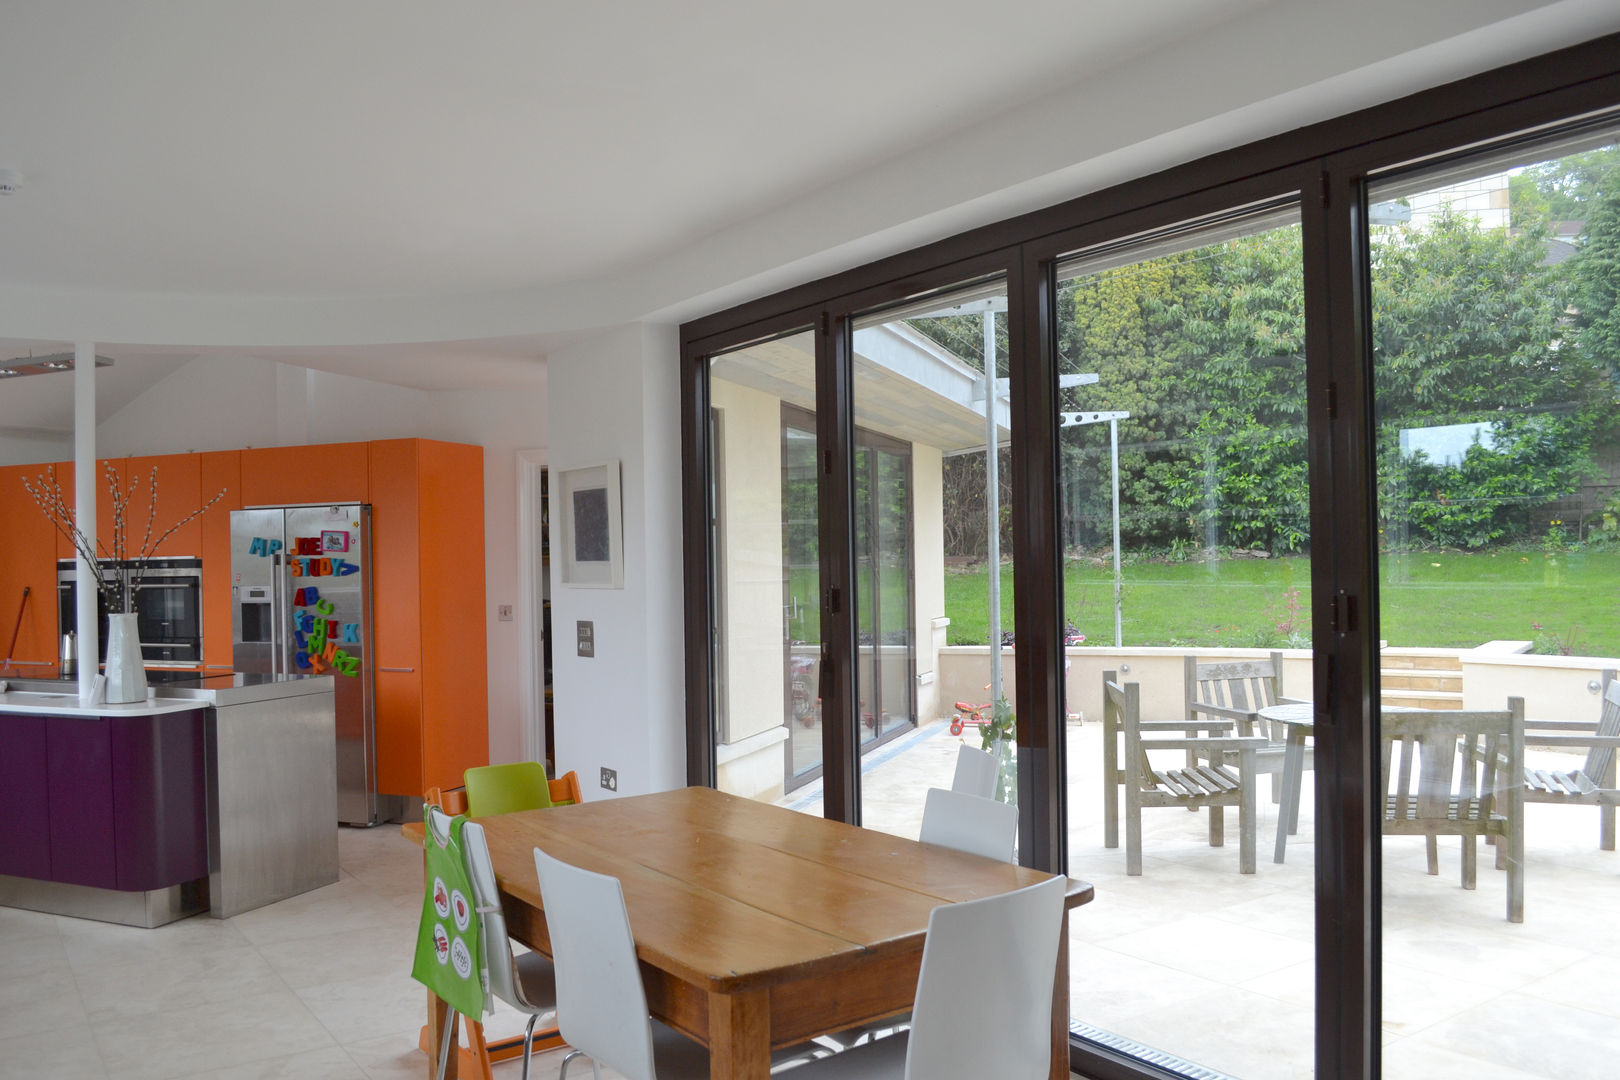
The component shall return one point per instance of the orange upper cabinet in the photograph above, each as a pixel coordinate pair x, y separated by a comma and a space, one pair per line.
289, 475
216, 471
178, 493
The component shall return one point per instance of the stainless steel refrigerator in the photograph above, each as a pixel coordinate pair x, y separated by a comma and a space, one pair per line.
301, 605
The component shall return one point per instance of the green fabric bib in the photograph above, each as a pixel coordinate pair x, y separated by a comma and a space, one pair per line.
449, 949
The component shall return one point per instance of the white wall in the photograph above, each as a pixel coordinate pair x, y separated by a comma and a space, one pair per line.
502, 422
614, 398
19, 447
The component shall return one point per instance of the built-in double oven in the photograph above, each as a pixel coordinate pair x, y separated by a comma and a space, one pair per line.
168, 599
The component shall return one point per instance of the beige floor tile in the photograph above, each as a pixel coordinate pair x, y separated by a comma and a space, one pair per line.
356, 1010
1108, 988
346, 906
394, 1057
225, 1033
31, 950
1575, 985
94, 945
66, 1055
45, 1001
1533, 1035
330, 1063
1220, 951
165, 982
1413, 1059
384, 949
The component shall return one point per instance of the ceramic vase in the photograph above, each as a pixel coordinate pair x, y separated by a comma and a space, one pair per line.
126, 668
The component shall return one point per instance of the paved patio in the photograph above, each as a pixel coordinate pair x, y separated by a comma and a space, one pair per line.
1217, 968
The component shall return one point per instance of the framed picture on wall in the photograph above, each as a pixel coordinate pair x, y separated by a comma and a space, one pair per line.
591, 530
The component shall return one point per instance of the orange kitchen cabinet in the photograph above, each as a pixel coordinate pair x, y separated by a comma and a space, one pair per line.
27, 561
289, 475
64, 473
215, 471
427, 502
179, 493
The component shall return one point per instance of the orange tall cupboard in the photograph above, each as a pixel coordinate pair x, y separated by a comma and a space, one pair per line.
432, 691
27, 562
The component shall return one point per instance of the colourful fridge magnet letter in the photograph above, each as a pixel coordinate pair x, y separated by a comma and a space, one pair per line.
324, 607
351, 633
342, 568
302, 659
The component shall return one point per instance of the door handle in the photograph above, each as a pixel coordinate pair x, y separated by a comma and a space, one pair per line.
403, 670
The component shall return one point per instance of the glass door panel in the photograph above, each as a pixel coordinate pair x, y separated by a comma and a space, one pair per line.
766, 578
801, 588
1495, 376
934, 596
1186, 588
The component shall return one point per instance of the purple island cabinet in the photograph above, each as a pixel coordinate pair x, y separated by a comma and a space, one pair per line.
111, 809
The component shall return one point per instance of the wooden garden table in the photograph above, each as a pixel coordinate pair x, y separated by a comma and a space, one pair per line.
756, 926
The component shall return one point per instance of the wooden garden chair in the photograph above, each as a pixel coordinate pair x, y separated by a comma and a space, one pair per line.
1236, 690
1593, 784
1455, 773
1215, 785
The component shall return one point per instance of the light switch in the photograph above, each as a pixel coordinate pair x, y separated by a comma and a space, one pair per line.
587, 638
504, 613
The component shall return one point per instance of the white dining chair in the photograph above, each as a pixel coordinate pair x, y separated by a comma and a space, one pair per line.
953, 819
601, 1003
526, 982
970, 823
1000, 953
975, 772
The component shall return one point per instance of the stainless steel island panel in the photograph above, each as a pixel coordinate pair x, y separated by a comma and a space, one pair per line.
272, 800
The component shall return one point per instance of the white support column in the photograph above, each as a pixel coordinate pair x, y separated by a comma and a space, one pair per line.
84, 513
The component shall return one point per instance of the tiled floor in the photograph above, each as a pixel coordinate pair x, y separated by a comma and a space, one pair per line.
313, 988
316, 987
1191, 957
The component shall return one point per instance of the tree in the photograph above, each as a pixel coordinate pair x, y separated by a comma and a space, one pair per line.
1595, 283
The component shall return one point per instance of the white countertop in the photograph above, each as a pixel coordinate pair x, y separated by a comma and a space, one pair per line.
31, 703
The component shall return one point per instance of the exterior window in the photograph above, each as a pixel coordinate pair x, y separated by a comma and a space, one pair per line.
1187, 591
1495, 363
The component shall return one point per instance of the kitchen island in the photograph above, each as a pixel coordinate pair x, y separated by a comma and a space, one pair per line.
216, 794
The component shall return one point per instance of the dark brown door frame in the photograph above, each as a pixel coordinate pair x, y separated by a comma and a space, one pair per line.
1329, 162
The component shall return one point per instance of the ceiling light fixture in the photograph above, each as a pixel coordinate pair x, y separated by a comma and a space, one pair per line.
44, 365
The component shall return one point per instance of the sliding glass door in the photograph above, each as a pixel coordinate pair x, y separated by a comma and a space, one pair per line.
1186, 590
1494, 316
1304, 459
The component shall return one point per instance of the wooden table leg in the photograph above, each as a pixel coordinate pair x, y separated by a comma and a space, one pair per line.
1293, 779
1060, 1007
740, 1035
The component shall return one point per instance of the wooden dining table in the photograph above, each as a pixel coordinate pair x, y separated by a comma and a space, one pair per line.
758, 927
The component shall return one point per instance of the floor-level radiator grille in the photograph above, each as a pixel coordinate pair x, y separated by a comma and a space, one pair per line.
1146, 1054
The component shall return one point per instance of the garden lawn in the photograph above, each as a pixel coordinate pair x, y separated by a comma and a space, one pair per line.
1436, 599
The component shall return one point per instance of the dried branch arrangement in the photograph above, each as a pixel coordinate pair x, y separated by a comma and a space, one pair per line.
119, 583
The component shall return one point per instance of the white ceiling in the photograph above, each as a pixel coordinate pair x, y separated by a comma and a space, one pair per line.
438, 194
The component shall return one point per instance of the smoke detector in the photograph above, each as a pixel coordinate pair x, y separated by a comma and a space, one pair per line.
10, 181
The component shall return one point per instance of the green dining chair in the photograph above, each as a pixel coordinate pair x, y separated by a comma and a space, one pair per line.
502, 789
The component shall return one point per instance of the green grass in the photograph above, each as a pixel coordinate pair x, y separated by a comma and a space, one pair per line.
1441, 599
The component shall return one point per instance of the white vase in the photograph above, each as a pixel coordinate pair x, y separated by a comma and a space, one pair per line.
126, 668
